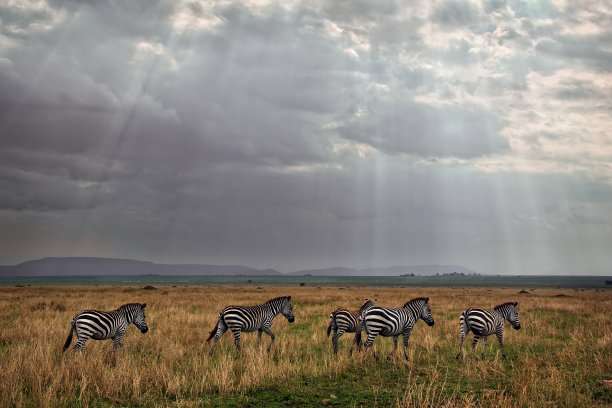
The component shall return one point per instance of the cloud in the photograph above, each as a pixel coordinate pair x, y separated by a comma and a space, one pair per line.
422, 130
582, 49
451, 14
291, 133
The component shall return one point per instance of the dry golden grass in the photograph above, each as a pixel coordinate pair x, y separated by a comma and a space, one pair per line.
559, 358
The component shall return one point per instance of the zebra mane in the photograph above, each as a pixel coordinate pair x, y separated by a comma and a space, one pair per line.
415, 300
278, 298
513, 304
367, 303
127, 305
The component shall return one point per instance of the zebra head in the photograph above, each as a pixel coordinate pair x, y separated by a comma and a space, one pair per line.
513, 316
421, 309
426, 313
140, 318
287, 309
509, 312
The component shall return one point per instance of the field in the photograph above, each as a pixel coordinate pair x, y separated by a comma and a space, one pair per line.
560, 357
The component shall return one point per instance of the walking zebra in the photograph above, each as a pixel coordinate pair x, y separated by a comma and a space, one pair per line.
392, 322
105, 325
483, 323
347, 321
251, 318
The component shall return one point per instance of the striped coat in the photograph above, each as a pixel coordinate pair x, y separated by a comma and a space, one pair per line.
250, 318
100, 325
483, 323
393, 322
347, 321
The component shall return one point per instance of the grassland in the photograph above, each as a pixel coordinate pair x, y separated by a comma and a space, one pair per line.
559, 358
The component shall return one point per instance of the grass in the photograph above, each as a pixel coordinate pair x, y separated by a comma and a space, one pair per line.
559, 358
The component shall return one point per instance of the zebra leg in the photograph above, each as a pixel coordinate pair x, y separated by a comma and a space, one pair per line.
394, 348
259, 332
474, 342
117, 343
356, 342
484, 348
406, 337
220, 331
464, 333
370, 343
460, 346
79, 346
117, 340
237, 340
335, 337
269, 333
500, 339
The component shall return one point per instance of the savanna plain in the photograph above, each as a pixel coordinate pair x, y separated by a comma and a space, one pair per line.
560, 357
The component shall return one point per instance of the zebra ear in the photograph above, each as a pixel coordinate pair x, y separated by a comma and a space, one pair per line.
426, 300
144, 305
515, 304
288, 297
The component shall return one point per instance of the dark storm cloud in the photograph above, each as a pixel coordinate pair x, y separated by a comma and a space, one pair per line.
244, 97
39, 191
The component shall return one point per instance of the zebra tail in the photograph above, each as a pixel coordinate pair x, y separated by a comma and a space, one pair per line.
331, 319
464, 322
69, 339
358, 338
214, 330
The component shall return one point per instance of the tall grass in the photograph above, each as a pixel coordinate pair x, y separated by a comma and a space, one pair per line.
559, 358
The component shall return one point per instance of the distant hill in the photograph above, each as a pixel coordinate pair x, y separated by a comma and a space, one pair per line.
118, 267
419, 270
109, 266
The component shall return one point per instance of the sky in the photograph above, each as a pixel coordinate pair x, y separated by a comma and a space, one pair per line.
309, 134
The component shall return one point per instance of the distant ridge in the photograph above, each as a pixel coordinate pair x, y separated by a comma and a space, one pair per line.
122, 267
90, 266
419, 270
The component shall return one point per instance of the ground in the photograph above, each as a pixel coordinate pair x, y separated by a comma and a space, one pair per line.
560, 357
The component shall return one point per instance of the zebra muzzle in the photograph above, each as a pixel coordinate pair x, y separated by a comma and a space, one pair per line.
146, 329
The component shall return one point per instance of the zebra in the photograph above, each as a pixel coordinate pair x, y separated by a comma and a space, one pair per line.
483, 323
105, 325
250, 318
391, 322
347, 321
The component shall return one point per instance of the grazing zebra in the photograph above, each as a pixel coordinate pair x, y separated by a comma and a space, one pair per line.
392, 322
251, 318
106, 325
483, 323
347, 321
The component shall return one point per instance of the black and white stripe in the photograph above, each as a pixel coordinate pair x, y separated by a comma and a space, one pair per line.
391, 322
347, 321
100, 325
250, 318
483, 323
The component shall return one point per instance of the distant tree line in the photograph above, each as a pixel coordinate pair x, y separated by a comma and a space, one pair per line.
409, 275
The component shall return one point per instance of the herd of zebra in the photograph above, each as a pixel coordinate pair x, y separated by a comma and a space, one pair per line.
374, 320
